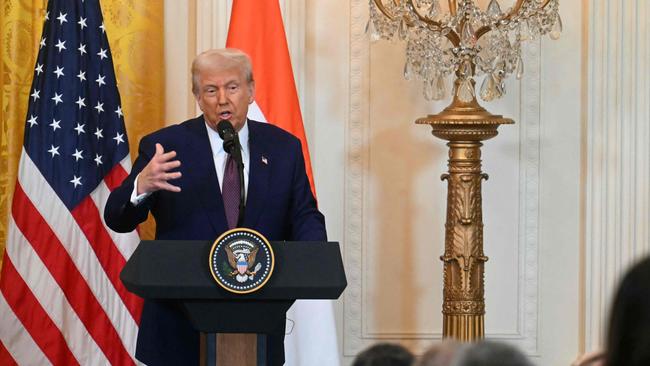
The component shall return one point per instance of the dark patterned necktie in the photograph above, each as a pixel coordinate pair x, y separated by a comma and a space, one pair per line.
230, 191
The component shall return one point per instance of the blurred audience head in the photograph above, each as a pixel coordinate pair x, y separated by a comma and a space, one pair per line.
488, 353
441, 354
628, 338
594, 358
384, 354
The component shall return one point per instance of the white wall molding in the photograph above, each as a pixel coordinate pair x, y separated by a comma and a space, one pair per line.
212, 19
179, 51
294, 14
529, 192
617, 153
356, 167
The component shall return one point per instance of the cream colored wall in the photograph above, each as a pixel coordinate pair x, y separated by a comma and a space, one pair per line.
553, 185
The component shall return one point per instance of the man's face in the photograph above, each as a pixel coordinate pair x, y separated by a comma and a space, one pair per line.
224, 94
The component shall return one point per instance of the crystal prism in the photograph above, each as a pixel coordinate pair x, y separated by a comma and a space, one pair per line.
434, 10
494, 10
524, 32
371, 31
465, 91
374, 34
407, 70
428, 90
402, 31
556, 30
520, 68
500, 86
439, 88
489, 88
468, 38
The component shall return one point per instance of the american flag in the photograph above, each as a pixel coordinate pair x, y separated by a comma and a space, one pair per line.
61, 299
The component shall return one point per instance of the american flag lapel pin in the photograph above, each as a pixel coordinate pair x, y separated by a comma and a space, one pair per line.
265, 161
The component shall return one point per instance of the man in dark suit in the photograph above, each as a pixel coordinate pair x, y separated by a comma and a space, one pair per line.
179, 176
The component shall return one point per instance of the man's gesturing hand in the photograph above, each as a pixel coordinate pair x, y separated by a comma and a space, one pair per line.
155, 175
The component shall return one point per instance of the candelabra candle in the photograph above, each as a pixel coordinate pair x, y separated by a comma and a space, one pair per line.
464, 39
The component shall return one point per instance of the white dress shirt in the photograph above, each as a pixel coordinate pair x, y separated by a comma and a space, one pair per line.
219, 156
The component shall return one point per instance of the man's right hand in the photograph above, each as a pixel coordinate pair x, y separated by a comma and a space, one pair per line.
156, 174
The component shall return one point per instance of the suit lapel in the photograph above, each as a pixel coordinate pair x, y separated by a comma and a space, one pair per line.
258, 175
200, 167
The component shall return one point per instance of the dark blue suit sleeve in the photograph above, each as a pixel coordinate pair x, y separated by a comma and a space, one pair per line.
120, 214
307, 222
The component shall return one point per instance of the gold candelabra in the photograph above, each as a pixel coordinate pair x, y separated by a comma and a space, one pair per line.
463, 41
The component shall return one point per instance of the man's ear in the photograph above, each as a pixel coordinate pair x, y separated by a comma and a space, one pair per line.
251, 88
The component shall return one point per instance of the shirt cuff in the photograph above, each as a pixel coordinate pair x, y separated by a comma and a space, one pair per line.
135, 198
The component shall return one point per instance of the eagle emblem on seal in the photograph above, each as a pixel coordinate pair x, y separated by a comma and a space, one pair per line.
241, 260
241, 257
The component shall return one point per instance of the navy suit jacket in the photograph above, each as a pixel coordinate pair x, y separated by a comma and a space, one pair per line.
279, 204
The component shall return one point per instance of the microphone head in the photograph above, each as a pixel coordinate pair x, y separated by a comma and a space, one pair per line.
224, 128
227, 133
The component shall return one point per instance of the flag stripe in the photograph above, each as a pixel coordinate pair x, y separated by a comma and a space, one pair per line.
5, 356
75, 244
115, 177
34, 318
125, 242
112, 261
63, 269
19, 343
52, 299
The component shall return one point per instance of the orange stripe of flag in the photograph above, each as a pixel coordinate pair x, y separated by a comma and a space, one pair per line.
256, 28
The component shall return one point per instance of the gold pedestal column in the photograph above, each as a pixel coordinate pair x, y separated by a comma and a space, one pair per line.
464, 125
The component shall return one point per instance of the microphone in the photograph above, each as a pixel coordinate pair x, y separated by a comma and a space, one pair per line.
230, 141
227, 134
231, 145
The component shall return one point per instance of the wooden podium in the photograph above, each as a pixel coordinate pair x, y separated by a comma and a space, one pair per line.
178, 270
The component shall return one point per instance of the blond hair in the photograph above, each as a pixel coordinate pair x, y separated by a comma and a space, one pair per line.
223, 58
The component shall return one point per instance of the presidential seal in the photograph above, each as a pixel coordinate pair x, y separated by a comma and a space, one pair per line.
241, 260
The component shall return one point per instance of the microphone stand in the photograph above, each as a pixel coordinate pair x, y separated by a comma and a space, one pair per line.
236, 151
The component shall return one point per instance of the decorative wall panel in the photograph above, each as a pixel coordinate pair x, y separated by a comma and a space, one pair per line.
617, 153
